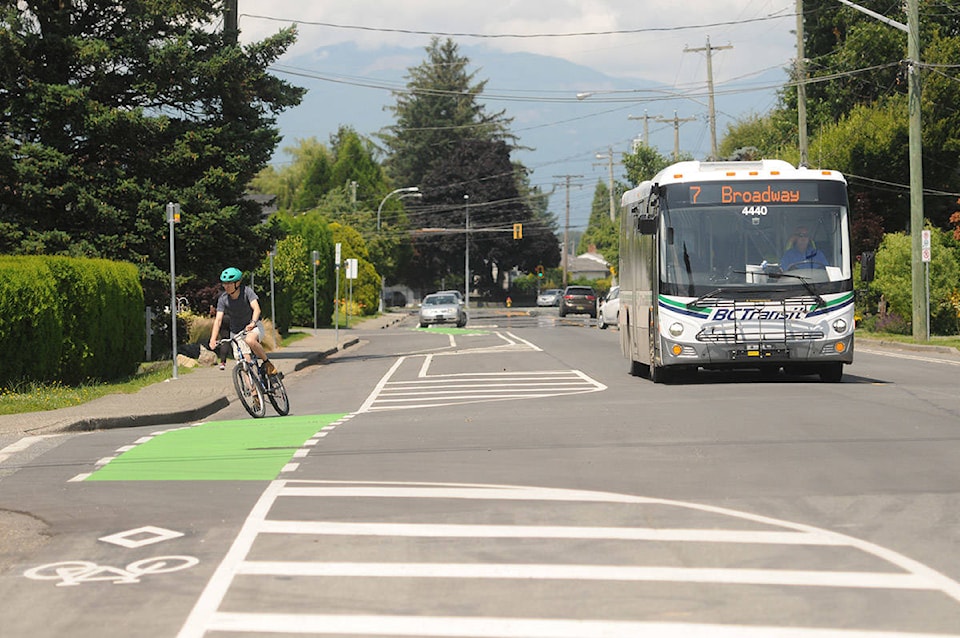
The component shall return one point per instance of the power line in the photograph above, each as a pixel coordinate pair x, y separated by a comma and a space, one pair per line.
494, 36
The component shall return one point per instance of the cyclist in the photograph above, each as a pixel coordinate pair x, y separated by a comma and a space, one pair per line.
242, 307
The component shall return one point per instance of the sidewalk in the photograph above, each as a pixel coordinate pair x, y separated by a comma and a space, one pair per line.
194, 395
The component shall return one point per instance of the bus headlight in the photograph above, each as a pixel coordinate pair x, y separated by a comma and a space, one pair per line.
840, 326
676, 329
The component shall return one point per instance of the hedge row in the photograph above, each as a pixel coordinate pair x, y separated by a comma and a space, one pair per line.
69, 320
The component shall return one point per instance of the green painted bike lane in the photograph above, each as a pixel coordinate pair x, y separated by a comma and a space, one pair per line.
239, 450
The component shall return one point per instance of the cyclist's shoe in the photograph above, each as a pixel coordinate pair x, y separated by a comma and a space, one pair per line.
269, 369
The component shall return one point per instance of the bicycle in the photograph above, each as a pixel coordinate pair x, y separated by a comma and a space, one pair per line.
252, 385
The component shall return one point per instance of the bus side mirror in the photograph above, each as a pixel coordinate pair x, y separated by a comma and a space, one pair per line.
647, 225
868, 263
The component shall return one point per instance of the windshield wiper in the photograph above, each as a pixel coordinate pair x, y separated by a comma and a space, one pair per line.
806, 284
696, 302
774, 274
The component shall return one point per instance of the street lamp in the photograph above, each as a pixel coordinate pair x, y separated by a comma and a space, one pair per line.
408, 189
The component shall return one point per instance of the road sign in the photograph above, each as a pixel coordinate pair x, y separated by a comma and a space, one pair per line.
351, 268
925, 246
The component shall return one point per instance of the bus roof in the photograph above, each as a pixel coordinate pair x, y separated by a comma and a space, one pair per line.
696, 171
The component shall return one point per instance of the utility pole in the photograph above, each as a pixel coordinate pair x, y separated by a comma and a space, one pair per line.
801, 86
646, 124
676, 132
713, 112
921, 329
230, 28
566, 227
609, 157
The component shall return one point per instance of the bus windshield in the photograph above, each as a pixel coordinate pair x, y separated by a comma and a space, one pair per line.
709, 244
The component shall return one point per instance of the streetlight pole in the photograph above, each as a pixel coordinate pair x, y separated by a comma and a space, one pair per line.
609, 157
173, 217
409, 190
273, 306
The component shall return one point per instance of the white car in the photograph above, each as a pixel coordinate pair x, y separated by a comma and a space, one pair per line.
442, 308
610, 309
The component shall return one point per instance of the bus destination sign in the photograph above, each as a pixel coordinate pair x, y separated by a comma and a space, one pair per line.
755, 193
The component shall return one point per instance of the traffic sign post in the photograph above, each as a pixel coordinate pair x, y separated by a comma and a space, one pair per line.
351, 274
336, 295
925, 257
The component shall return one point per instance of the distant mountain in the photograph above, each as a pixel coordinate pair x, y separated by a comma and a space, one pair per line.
351, 86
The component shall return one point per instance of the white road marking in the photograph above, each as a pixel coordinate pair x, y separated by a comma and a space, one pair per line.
322, 528
898, 574
430, 391
505, 571
913, 357
21, 445
320, 624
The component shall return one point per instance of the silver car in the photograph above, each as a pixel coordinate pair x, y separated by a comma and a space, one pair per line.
549, 297
442, 308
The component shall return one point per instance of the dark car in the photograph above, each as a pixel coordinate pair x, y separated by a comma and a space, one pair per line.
578, 300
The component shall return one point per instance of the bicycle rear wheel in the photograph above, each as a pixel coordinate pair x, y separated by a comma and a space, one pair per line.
278, 395
249, 390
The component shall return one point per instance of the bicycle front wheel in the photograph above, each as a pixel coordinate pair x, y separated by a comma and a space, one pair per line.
249, 390
278, 396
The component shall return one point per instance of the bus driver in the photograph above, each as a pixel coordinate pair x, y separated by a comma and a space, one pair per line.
802, 252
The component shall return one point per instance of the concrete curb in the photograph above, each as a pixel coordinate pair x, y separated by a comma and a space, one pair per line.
186, 415
914, 347
138, 420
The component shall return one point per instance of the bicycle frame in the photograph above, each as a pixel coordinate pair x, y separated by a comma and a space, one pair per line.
252, 386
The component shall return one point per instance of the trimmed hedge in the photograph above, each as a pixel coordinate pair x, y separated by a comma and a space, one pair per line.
69, 320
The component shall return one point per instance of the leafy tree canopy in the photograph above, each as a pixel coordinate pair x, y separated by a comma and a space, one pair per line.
111, 109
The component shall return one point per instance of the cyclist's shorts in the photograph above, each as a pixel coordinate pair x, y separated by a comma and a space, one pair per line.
244, 348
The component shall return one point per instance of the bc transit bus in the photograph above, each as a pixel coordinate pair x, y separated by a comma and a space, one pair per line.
737, 265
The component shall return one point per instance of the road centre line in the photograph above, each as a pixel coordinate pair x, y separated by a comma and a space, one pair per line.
358, 624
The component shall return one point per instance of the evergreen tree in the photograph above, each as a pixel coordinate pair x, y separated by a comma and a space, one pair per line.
437, 111
445, 142
111, 109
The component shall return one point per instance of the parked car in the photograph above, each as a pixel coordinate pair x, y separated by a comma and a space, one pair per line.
549, 297
442, 308
609, 312
578, 299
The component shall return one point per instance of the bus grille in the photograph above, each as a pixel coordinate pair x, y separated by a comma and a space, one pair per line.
749, 322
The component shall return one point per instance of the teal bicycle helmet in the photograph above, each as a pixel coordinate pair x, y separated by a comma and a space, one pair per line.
231, 274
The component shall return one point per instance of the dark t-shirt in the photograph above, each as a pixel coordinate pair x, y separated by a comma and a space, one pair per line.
238, 310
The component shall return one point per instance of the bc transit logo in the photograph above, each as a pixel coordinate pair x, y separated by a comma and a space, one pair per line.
757, 314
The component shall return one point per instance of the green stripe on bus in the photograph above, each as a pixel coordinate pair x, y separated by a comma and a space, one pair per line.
241, 450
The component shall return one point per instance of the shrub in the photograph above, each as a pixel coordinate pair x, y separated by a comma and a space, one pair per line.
69, 320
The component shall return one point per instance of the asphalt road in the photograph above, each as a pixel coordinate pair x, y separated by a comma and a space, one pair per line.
508, 480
